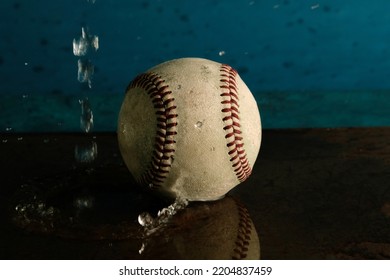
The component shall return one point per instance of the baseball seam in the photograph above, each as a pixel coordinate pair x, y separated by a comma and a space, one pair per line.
166, 115
231, 120
244, 233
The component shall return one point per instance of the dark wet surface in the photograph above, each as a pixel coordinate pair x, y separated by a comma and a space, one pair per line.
314, 194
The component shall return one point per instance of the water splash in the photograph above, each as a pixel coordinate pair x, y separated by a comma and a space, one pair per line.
145, 219
35, 212
84, 202
86, 42
151, 224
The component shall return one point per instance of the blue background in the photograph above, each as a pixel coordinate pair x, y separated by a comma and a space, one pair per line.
308, 63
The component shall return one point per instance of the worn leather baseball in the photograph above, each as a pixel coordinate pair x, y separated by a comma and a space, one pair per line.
189, 128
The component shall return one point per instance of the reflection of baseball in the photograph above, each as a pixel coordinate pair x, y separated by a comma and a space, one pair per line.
204, 231
189, 127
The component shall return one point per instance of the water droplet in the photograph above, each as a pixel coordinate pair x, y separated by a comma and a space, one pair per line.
315, 6
20, 138
85, 71
8, 128
79, 48
5, 140
46, 140
84, 43
86, 153
198, 124
221, 53
86, 116
140, 251
50, 211
145, 219
165, 213
84, 202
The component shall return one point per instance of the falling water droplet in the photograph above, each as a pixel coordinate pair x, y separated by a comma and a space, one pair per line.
86, 153
84, 43
86, 116
85, 72
315, 6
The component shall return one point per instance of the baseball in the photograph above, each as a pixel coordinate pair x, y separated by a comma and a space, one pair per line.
189, 128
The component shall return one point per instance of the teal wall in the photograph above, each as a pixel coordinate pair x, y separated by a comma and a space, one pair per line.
308, 63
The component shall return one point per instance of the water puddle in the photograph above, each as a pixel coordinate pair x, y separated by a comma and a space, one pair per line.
83, 203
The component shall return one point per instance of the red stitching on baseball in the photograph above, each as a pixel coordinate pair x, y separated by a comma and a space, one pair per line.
232, 123
243, 234
166, 117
